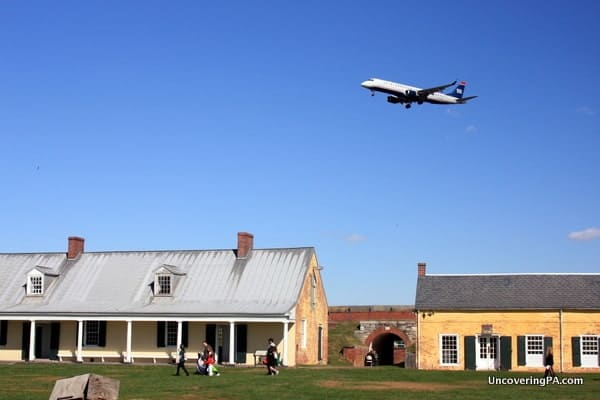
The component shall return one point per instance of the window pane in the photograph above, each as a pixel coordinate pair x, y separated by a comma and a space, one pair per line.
449, 349
35, 284
494, 349
535, 345
589, 345
483, 342
92, 333
164, 284
171, 333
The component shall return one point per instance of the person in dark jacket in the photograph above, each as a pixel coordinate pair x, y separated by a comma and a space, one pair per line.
272, 358
549, 363
181, 362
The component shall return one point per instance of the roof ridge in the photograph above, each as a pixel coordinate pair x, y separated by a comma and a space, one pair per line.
521, 273
155, 251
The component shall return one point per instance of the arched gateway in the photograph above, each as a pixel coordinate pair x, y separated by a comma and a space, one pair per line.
390, 345
388, 330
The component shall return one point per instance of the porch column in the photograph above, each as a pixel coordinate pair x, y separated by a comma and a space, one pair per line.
79, 341
32, 342
231, 342
128, 355
179, 336
216, 346
283, 351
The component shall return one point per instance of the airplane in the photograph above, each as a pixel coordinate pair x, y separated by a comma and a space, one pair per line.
405, 94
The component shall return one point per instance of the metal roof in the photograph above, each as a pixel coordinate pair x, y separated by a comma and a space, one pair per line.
207, 283
508, 292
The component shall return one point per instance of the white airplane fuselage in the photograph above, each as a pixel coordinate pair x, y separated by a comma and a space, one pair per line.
406, 94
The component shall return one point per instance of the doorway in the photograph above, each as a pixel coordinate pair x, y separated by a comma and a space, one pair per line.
487, 352
47, 339
389, 349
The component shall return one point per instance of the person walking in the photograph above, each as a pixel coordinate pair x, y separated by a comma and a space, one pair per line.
181, 361
272, 358
549, 363
209, 358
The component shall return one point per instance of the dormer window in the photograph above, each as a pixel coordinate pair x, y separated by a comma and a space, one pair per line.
35, 284
39, 280
166, 278
163, 284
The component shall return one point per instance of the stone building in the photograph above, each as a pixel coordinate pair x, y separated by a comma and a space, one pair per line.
388, 330
133, 306
508, 321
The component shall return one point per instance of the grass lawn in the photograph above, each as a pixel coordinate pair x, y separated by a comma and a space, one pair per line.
35, 381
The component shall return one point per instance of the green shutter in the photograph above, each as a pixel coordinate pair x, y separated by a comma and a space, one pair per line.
54, 340
160, 333
185, 333
3, 332
547, 343
102, 333
211, 334
521, 351
506, 353
576, 351
470, 352
25, 340
241, 343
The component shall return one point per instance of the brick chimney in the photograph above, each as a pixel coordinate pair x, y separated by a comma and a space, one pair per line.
75, 247
245, 243
422, 269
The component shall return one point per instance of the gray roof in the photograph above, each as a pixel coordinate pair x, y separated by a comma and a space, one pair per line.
508, 292
207, 283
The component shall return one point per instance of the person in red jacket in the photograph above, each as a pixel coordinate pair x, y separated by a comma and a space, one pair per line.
209, 357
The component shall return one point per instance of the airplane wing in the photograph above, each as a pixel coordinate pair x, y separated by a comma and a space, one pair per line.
426, 92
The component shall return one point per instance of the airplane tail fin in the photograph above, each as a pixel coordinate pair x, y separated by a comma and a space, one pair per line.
459, 90
465, 99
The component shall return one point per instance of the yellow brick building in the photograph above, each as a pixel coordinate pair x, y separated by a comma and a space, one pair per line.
138, 306
507, 322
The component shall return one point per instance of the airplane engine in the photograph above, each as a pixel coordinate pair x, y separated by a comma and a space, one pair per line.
410, 93
393, 100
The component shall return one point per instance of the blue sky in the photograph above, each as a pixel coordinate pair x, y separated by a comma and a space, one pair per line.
173, 125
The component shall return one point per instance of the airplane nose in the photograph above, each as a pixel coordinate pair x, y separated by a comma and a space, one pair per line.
365, 84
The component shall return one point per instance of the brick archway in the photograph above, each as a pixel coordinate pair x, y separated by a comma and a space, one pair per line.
382, 340
386, 330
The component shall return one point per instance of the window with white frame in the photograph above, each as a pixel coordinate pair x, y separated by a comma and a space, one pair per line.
303, 329
163, 284
91, 333
449, 349
171, 333
488, 347
35, 284
534, 350
589, 350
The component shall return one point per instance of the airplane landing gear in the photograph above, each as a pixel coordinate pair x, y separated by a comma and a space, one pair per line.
407, 106
372, 93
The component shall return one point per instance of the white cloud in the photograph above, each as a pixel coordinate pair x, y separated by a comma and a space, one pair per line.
586, 111
355, 238
452, 112
586, 234
471, 129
